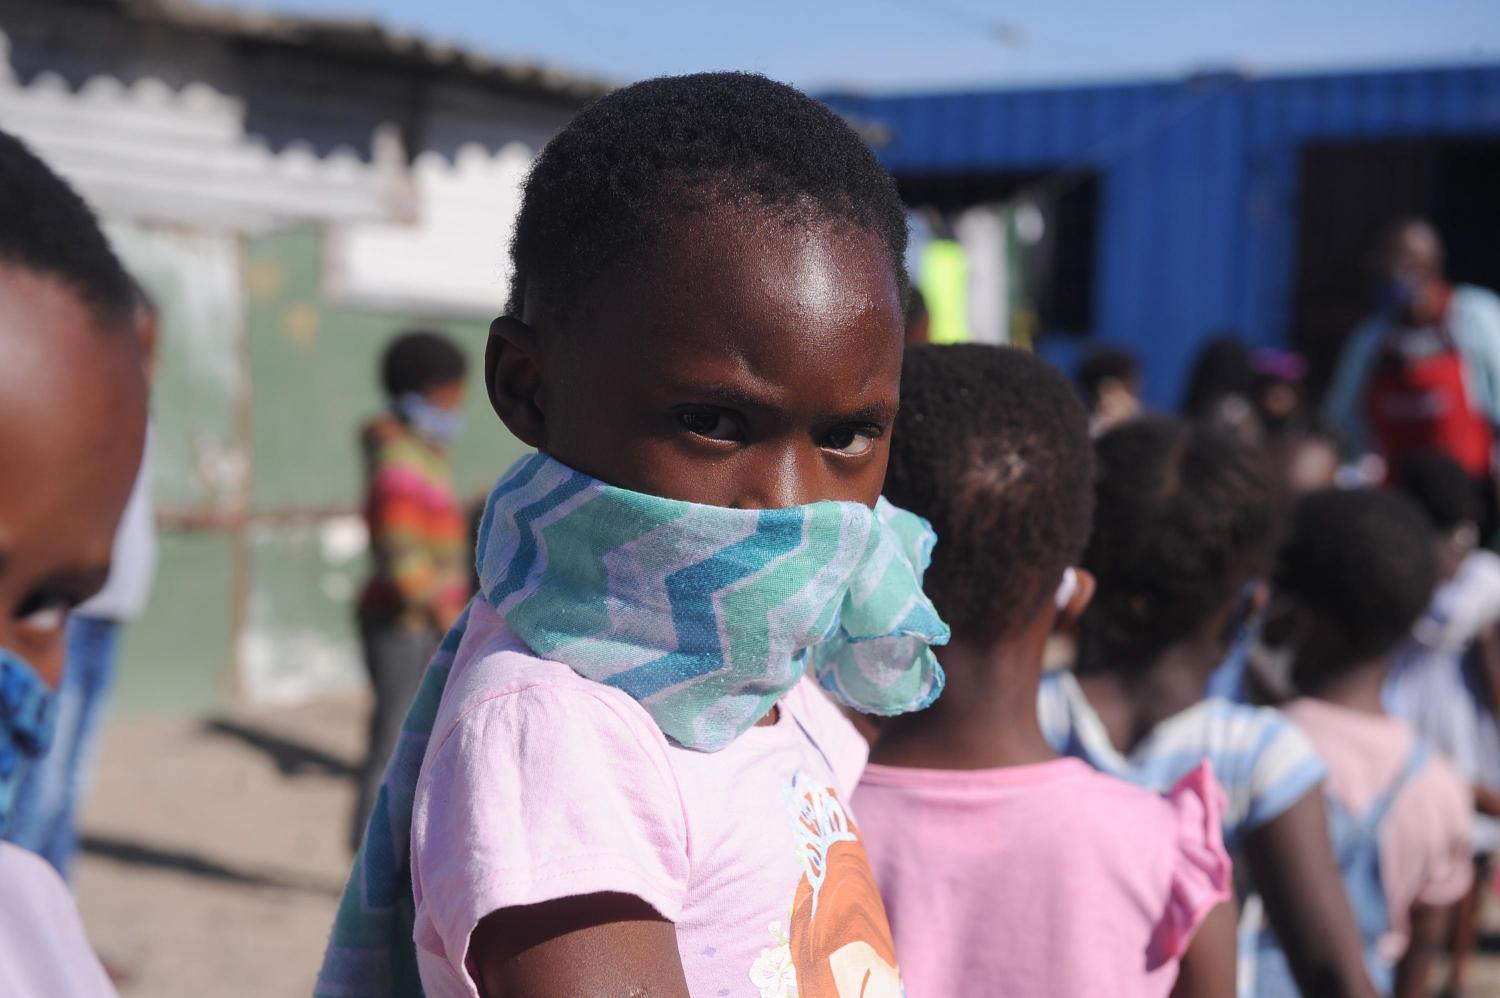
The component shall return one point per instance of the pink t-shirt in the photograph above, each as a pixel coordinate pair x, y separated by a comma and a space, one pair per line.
43, 950
539, 784
1050, 879
1424, 843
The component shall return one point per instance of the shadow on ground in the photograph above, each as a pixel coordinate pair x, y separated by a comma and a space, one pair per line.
290, 756
132, 853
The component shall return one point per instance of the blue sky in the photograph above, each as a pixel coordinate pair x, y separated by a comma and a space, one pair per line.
923, 44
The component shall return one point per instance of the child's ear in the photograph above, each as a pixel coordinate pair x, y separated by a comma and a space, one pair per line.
513, 377
1084, 587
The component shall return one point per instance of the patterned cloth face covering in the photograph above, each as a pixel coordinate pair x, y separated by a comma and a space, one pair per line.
27, 719
704, 615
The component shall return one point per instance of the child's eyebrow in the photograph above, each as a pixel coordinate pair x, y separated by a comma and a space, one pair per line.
729, 396
735, 397
879, 414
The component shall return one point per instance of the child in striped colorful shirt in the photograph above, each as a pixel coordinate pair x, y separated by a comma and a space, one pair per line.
418, 536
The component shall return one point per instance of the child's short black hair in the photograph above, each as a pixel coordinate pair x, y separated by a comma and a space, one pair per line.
1444, 491
602, 189
1186, 516
46, 228
1363, 560
992, 446
1107, 363
419, 360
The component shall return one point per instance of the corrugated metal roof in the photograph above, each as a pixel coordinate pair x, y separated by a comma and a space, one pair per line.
1197, 223
358, 39
1044, 126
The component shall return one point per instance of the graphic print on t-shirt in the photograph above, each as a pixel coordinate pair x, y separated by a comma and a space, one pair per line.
839, 943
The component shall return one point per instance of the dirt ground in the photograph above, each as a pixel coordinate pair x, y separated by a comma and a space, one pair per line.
214, 851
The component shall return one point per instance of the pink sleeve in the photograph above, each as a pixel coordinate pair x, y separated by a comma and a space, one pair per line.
1450, 871
544, 793
1202, 874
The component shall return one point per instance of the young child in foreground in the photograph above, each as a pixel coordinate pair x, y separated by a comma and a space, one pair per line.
616, 778
1185, 525
72, 427
1355, 574
1007, 870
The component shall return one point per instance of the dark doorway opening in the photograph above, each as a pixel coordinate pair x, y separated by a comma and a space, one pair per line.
1059, 270
1349, 192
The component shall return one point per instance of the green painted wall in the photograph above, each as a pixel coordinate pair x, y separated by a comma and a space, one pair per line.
311, 367
315, 371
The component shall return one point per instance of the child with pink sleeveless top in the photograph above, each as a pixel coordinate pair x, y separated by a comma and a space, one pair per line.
1355, 574
1005, 869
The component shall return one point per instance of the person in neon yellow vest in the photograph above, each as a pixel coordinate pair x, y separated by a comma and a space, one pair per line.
944, 281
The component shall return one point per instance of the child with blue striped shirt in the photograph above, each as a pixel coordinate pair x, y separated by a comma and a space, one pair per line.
1185, 526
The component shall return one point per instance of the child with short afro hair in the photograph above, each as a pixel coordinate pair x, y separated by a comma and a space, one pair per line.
1005, 868
618, 776
1357, 570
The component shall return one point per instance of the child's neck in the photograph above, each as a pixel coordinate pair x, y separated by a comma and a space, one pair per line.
1132, 702
986, 719
1355, 686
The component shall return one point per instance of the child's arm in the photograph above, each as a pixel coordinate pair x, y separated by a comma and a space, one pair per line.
596, 944
1429, 925
1208, 967
1486, 801
1291, 864
1487, 651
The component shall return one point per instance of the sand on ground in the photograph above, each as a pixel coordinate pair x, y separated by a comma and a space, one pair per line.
215, 850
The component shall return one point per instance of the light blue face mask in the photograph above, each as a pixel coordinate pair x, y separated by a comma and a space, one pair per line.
705, 616
437, 424
27, 717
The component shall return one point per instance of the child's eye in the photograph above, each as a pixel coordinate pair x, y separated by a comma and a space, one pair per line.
852, 441
710, 424
44, 615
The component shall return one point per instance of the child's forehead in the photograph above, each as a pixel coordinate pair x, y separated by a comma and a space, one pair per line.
753, 276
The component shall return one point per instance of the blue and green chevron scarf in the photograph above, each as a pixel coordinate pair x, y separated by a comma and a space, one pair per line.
704, 615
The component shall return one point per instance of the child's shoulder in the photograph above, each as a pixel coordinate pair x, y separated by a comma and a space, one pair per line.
497, 682
1185, 805
834, 734
1228, 729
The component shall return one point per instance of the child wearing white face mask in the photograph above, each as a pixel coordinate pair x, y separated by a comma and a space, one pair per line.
418, 536
72, 425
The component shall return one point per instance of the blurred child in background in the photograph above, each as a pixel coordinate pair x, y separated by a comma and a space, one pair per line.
1221, 389
1007, 870
72, 429
1355, 573
1186, 524
1111, 381
1444, 678
418, 536
618, 776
